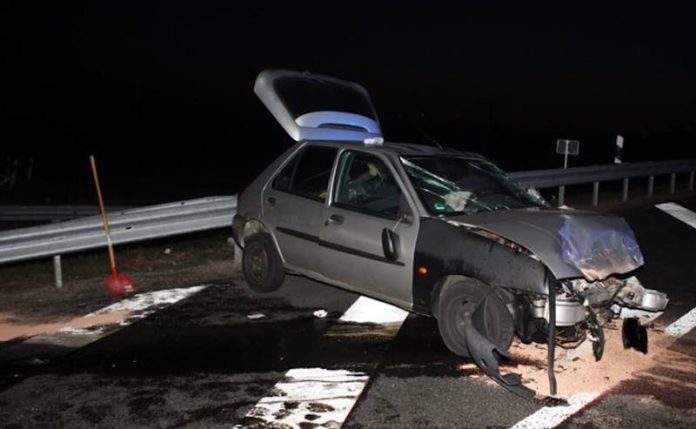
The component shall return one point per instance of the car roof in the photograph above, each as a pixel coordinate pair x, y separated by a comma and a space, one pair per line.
406, 149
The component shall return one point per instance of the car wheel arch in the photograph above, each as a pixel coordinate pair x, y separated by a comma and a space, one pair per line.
256, 226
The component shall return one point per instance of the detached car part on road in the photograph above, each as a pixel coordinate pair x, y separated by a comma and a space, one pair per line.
435, 231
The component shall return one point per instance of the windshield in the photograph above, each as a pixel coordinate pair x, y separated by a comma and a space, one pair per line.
451, 185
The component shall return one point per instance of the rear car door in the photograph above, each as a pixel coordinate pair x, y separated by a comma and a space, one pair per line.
293, 204
366, 199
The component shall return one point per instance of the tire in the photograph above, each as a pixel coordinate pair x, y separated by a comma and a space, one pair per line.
261, 263
458, 301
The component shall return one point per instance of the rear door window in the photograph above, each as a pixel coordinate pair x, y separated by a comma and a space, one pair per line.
308, 173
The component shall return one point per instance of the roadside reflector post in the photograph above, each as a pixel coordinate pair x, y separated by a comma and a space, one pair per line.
595, 193
651, 185
691, 181
57, 267
566, 147
672, 182
57, 271
619, 149
624, 192
561, 195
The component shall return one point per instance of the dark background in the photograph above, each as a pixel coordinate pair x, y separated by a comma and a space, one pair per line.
161, 92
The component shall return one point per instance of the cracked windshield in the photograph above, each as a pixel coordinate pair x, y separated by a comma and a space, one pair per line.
449, 186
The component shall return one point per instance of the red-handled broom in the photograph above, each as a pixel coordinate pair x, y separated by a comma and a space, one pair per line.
116, 284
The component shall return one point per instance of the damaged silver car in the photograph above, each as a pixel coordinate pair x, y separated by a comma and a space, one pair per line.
435, 231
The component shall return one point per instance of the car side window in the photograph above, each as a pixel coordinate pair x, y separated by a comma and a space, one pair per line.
307, 174
365, 184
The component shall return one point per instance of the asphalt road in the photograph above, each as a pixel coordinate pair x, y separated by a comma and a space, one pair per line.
210, 360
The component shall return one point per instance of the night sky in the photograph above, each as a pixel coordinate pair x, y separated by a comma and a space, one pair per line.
162, 93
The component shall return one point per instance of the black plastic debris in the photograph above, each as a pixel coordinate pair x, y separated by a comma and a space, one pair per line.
634, 335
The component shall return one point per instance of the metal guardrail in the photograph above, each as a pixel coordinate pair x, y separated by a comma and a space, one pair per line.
127, 226
139, 224
604, 173
26, 213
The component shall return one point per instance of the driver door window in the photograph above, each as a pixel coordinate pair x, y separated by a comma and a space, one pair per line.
365, 184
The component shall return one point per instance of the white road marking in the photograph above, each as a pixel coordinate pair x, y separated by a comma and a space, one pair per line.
322, 397
71, 337
368, 310
550, 417
688, 321
682, 325
682, 213
148, 302
313, 396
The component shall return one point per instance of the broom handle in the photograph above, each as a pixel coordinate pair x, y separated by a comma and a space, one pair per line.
104, 218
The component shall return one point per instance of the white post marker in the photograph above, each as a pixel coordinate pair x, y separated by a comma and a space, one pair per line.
619, 149
327, 395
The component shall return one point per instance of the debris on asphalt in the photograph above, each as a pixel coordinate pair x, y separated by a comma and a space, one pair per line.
255, 316
321, 313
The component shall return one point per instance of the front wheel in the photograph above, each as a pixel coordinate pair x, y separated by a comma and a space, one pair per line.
457, 303
261, 263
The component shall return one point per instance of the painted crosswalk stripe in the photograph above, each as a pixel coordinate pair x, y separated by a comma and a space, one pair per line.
128, 311
682, 325
682, 213
688, 321
318, 397
550, 417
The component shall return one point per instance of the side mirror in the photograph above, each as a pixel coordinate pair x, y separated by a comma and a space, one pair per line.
390, 244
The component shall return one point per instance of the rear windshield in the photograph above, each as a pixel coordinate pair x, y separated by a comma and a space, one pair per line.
309, 94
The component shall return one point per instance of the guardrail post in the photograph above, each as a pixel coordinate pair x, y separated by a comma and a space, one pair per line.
691, 181
624, 192
651, 185
672, 182
58, 271
595, 193
561, 195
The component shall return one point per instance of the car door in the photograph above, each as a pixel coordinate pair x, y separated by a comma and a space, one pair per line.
367, 198
293, 204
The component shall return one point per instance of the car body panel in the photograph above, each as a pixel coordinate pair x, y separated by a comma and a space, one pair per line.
545, 232
354, 252
446, 249
312, 107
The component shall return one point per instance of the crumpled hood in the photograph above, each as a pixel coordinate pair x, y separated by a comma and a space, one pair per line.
569, 243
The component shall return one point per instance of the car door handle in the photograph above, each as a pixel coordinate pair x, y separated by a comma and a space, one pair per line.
271, 201
334, 219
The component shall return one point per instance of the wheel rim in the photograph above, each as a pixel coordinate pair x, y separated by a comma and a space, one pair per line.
258, 263
462, 315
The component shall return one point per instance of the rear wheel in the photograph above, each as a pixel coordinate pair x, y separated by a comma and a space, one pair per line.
261, 263
456, 304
